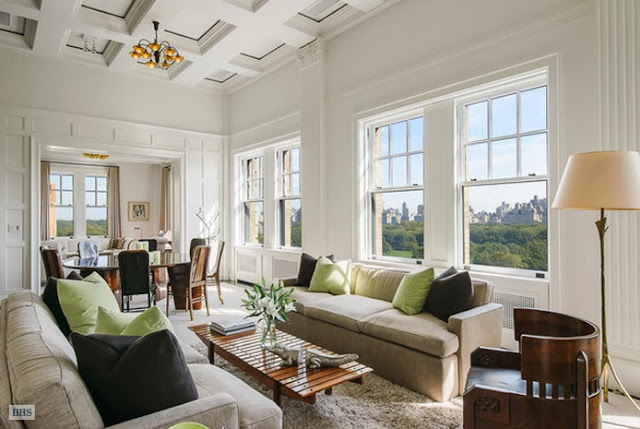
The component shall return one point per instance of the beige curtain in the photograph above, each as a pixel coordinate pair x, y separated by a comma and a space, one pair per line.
45, 185
113, 203
164, 199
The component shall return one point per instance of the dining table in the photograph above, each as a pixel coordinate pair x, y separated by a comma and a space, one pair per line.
107, 266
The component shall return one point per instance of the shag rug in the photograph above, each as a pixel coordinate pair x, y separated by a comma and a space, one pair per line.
376, 404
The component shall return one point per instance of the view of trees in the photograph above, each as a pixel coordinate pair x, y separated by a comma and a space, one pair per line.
296, 234
403, 240
94, 227
515, 246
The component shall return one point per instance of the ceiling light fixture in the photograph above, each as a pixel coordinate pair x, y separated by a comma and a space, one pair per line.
158, 55
100, 156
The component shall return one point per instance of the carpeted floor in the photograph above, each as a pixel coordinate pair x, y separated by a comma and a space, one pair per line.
377, 404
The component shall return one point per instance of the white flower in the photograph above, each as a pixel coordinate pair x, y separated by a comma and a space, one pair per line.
263, 302
289, 307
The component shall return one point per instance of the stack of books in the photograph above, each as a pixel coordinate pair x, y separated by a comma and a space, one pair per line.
232, 327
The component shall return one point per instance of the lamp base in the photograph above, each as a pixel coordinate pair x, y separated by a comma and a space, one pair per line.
607, 366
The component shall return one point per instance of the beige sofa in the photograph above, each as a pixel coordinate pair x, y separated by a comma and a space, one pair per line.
420, 352
38, 367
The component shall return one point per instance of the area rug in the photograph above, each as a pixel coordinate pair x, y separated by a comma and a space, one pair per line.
376, 404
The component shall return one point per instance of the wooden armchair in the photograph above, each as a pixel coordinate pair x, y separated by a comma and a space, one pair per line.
554, 378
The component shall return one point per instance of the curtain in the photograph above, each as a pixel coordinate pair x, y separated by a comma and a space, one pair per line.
113, 203
164, 199
45, 186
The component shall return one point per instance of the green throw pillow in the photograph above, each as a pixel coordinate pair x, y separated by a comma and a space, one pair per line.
112, 322
138, 325
413, 290
80, 300
332, 277
151, 320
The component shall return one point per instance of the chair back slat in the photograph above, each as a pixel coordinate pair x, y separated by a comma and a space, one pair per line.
52, 263
218, 257
199, 264
134, 271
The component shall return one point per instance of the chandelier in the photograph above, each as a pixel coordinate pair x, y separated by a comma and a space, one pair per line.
100, 156
159, 55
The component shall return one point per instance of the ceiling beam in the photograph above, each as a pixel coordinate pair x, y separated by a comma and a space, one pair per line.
53, 26
24, 8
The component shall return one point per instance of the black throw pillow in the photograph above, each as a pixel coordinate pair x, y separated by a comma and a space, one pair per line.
450, 295
130, 377
50, 297
307, 267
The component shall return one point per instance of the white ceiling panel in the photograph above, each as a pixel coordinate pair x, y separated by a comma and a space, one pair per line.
322, 9
189, 24
117, 8
261, 48
16, 25
76, 40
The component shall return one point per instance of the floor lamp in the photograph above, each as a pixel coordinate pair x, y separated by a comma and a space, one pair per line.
602, 181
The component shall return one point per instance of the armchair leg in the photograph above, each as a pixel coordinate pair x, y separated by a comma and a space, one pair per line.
167, 298
206, 297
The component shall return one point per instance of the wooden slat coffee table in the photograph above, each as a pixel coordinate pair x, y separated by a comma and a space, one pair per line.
297, 382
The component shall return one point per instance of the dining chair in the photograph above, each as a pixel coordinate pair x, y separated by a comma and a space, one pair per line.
215, 273
134, 278
179, 274
52, 262
198, 278
88, 249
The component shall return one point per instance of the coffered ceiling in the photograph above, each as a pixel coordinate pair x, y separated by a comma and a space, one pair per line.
225, 43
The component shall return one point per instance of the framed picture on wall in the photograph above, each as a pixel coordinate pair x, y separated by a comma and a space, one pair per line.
138, 210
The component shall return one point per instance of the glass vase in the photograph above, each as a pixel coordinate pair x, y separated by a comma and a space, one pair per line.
268, 334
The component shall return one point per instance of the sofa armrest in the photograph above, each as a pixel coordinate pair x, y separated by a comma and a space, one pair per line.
480, 326
290, 281
215, 412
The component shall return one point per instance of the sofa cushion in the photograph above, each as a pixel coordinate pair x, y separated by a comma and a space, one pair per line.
303, 297
423, 332
413, 290
50, 297
130, 376
345, 310
133, 324
378, 283
41, 369
254, 409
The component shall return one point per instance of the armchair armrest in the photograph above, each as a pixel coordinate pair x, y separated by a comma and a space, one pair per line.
480, 326
215, 412
289, 281
491, 357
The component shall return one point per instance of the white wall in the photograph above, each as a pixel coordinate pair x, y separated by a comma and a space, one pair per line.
61, 85
52, 101
421, 49
140, 182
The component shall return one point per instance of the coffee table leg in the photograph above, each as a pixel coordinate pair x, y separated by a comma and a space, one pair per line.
329, 391
277, 396
212, 360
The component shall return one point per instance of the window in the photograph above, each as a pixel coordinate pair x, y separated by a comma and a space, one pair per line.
504, 179
396, 189
253, 203
61, 205
96, 205
289, 201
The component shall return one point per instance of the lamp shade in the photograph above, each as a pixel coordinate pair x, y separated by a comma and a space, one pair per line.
600, 180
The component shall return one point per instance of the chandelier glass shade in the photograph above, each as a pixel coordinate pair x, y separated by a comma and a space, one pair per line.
159, 55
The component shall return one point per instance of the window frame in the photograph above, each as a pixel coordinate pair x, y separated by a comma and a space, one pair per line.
95, 192
279, 189
371, 187
517, 85
72, 205
245, 194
